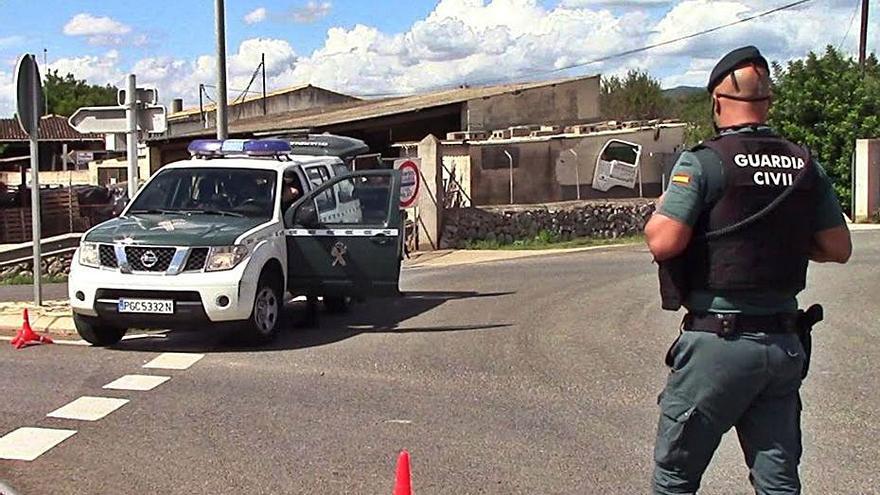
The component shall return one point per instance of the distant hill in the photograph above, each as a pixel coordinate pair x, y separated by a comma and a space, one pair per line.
682, 91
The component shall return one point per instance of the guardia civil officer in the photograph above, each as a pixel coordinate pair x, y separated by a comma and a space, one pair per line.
743, 215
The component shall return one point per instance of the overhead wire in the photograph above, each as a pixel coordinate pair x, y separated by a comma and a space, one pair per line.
624, 53
849, 26
605, 58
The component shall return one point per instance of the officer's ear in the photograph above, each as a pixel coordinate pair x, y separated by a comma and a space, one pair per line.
716, 106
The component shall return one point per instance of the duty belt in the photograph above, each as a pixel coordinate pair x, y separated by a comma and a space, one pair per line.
728, 323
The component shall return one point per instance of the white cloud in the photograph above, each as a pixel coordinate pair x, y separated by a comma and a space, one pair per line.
311, 11
90, 25
256, 16
96, 69
102, 30
614, 3
7, 94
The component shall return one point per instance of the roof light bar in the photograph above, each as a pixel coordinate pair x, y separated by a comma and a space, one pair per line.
231, 147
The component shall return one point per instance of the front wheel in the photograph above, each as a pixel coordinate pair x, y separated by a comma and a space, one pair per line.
96, 332
264, 325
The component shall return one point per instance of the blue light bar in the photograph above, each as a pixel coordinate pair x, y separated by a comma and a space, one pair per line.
230, 147
205, 147
267, 147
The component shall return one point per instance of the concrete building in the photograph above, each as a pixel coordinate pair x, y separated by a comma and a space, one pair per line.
201, 120
380, 123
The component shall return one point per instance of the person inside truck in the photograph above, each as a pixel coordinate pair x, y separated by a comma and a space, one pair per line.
291, 191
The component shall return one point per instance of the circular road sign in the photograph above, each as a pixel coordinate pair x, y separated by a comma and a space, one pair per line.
28, 94
409, 183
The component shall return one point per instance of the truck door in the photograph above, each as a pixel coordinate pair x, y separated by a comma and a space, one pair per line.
344, 237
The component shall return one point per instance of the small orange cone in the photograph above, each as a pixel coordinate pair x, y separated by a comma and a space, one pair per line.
26, 336
403, 483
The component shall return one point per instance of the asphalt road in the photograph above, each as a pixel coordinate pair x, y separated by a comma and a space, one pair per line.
531, 376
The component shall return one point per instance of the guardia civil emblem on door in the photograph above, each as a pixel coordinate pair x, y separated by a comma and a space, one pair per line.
338, 252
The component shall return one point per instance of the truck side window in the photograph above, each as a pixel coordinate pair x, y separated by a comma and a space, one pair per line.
346, 188
317, 176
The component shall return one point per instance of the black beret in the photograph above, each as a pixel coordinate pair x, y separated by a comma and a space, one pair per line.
734, 60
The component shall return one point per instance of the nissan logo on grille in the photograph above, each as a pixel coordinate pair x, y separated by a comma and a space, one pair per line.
149, 259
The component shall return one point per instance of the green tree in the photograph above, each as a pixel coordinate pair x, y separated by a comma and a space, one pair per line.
826, 102
694, 108
66, 94
637, 96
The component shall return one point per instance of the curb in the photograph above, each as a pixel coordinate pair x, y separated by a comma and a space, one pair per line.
53, 318
476, 256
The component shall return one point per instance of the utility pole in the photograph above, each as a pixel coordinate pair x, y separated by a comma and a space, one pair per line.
131, 111
863, 37
46, 93
222, 122
263, 67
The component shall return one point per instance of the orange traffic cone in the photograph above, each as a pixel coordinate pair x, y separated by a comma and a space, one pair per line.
27, 336
402, 483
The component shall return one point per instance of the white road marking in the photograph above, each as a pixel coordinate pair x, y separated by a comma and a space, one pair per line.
140, 383
399, 421
26, 444
159, 335
174, 361
88, 408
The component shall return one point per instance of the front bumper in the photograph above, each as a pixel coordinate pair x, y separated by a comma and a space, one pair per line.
196, 296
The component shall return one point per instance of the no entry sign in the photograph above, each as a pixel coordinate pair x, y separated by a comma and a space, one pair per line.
410, 180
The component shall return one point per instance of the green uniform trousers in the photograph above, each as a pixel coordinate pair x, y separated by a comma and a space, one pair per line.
749, 381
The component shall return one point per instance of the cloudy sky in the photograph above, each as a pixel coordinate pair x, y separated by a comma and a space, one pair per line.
381, 47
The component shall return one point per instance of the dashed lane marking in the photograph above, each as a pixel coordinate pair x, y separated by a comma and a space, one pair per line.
88, 408
140, 383
26, 444
174, 361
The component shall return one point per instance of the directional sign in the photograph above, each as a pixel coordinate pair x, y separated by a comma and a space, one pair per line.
81, 158
29, 89
104, 120
410, 180
144, 96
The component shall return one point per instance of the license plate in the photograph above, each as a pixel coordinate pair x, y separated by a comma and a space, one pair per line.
152, 306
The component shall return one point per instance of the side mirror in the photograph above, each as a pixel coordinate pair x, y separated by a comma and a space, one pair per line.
306, 215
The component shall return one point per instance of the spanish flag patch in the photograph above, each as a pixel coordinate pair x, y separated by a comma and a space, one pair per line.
681, 178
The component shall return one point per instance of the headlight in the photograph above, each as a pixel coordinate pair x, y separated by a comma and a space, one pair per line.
88, 254
225, 258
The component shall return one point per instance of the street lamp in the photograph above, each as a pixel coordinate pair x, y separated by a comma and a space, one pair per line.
577, 173
510, 158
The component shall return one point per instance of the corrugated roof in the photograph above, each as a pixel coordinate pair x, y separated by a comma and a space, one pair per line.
211, 106
52, 128
370, 109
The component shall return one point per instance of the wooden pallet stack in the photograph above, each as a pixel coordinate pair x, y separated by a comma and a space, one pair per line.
15, 225
60, 214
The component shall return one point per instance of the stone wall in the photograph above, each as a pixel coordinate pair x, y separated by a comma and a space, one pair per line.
506, 224
53, 266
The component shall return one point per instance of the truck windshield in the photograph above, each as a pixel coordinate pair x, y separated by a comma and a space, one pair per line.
209, 191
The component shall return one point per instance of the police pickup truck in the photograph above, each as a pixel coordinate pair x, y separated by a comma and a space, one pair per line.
222, 237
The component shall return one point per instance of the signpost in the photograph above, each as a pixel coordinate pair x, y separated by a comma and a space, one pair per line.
29, 107
145, 96
112, 120
410, 180
137, 113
